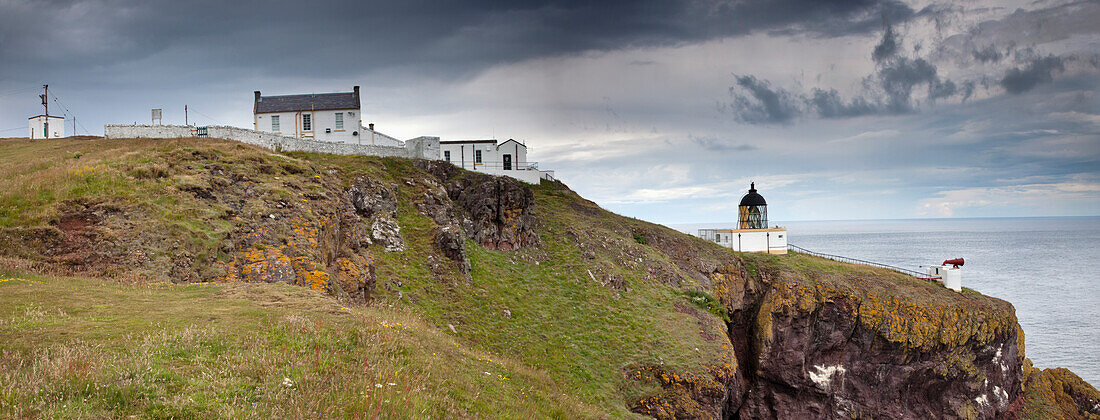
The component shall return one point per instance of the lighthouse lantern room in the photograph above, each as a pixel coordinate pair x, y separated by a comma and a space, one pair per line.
752, 233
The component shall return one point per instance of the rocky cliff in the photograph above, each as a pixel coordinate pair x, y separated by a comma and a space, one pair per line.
628, 315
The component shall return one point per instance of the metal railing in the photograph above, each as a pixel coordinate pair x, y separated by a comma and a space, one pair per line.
914, 273
514, 166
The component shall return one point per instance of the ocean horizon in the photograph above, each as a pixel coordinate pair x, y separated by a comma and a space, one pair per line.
1047, 267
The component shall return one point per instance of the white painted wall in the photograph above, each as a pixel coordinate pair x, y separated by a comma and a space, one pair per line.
464, 155
290, 124
416, 148
770, 240
35, 127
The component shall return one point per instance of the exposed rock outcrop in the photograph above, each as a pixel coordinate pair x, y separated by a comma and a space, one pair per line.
376, 203
1058, 394
832, 347
496, 212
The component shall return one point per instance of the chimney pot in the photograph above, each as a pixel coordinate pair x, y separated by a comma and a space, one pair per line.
371, 126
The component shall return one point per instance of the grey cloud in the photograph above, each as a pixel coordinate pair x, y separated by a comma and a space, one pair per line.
829, 104
888, 47
967, 90
756, 101
941, 89
899, 77
713, 144
1039, 70
989, 54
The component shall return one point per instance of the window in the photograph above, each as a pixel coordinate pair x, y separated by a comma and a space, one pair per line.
307, 122
275, 123
339, 120
447, 155
477, 156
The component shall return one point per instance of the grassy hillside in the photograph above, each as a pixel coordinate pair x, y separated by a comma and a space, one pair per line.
102, 243
581, 320
90, 348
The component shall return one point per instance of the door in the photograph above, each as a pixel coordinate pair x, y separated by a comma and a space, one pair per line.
507, 162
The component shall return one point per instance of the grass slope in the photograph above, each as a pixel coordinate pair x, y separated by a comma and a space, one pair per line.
77, 347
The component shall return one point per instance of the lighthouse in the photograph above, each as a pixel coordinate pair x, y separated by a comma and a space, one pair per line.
752, 233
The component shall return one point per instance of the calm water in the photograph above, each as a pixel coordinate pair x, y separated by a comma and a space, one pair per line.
1049, 268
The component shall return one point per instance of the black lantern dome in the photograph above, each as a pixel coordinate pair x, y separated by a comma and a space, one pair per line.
752, 213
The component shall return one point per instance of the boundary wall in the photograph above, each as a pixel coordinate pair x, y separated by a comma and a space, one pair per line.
417, 148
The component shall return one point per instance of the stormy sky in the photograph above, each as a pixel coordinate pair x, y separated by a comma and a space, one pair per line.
660, 110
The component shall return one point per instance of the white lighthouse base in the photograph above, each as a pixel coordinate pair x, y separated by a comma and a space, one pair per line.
771, 240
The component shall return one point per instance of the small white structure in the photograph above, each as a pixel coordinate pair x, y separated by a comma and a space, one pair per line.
951, 276
508, 158
752, 233
38, 127
330, 117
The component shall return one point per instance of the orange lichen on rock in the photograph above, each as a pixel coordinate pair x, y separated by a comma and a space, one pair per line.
256, 265
304, 235
684, 395
1058, 393
923, 324
309, 274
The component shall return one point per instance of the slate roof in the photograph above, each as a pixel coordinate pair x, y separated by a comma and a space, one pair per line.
311, 101
468, 142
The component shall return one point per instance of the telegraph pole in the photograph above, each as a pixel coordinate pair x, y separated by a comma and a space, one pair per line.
185, 123
46, 124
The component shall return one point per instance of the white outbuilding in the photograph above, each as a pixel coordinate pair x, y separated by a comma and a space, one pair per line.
42, 127
332, 117
508, 158
752, 233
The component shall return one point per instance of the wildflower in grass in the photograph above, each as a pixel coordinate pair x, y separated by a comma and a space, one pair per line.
288, 383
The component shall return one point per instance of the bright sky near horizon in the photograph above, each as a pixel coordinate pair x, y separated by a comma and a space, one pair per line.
661, 110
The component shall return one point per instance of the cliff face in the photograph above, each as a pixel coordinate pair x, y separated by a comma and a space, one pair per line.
817, 345
625, 314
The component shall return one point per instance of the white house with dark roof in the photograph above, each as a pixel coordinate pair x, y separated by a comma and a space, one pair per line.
331, 117
507, 158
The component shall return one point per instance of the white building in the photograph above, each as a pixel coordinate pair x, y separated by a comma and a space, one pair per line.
752, 233
332, 117
38, 123
508, 158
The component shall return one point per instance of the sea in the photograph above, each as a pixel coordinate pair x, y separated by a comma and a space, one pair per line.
1047, 267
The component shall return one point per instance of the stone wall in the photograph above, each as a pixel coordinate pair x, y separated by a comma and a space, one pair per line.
417, 148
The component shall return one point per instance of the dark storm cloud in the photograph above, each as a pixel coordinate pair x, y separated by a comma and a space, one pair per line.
756, 101
342, 37
888, 47
1039, 70
829, 104
989, 54
895, 78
